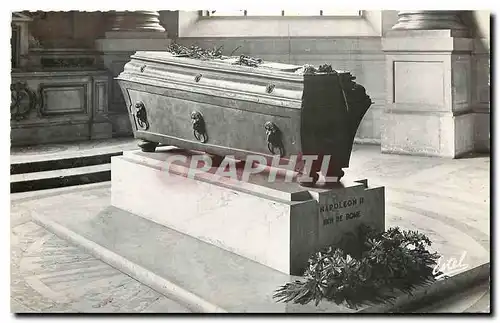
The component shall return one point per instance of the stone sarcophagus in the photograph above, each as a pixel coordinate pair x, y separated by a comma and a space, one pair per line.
224, 107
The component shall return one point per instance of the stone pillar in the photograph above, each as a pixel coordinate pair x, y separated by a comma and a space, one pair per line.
429, 20
428, 81
137, 21
20, 39
129, 31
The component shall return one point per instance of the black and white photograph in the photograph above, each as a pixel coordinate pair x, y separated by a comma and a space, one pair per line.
318, 160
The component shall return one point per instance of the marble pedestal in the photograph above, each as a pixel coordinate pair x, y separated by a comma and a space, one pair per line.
116, 48
277, 224
428, 103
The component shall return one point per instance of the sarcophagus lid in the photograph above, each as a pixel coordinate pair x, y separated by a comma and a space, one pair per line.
239, 106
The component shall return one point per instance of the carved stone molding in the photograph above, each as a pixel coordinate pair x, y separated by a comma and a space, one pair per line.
429, 20
136, 21
23, 101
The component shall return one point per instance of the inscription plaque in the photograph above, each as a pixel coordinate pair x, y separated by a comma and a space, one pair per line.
342, 210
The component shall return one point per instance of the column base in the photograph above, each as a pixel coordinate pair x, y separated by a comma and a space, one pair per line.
482, 132
434, 41
430, 20
410, 134
428, 107
126, 41
117, 48
121, 122
101, 130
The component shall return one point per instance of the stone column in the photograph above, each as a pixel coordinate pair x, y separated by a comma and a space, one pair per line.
137, 21
430, 20
129, 31
428, 81
20, 40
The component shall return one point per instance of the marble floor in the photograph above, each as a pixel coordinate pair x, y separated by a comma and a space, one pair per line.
50, 275
449, 200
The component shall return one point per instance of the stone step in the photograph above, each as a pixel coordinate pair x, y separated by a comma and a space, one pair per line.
59, 178
199, 275
70, 155
62, 163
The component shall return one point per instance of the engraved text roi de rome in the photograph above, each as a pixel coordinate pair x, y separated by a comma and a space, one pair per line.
345, 204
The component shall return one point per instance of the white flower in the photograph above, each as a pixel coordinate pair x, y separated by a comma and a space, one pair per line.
410, 246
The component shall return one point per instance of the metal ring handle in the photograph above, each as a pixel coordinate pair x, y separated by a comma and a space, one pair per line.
273, 138
270, 88
141, 115
199, 128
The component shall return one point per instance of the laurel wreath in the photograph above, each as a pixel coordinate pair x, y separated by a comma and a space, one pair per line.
364, 270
